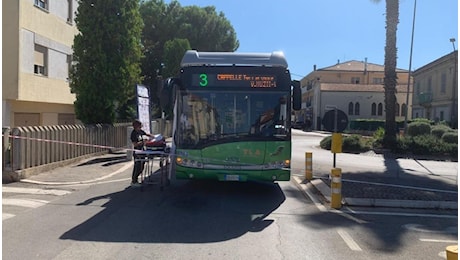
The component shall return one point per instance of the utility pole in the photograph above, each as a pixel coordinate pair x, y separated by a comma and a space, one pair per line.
406, 112
454, 85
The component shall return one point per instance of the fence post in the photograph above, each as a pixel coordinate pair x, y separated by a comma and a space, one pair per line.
5, 145
129, 144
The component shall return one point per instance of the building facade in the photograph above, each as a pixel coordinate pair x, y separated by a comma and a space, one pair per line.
436, 94
37, 52
354, 87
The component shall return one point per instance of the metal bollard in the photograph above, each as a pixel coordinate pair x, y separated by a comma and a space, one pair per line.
336, 188
452, 252
308, 166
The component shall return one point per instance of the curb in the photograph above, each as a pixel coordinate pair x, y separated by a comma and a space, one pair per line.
325, 191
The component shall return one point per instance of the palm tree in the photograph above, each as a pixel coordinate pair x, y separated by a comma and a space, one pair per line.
390, 80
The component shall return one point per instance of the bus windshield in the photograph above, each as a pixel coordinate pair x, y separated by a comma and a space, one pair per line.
212, 117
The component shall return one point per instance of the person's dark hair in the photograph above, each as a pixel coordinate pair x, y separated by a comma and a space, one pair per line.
136, 123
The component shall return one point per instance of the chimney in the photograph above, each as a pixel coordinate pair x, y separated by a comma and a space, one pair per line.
314, 67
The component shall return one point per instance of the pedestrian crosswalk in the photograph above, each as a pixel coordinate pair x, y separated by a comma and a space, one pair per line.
18, 199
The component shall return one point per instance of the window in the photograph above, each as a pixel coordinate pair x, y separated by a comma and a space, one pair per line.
374, 109
357, 109
350, 108
40, 60
69, 66
397, 110
42, 4
355, 80
443, 83
380, 109
69, 11
441, 115
403, 109
377, 80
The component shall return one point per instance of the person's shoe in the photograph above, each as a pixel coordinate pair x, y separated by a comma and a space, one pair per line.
135, 184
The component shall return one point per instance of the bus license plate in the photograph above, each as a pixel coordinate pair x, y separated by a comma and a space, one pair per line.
232, 177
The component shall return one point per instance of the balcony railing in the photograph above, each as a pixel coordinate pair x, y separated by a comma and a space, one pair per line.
425, 98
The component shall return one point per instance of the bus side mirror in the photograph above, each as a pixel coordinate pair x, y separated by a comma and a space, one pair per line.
296, 95
166, 95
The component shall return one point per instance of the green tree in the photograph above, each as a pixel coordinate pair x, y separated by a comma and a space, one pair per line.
203, 28
106, 59
173, 52
390, 80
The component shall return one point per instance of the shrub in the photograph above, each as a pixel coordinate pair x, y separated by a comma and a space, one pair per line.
378, 137
428, 145
404, 144
439, 130
326, 143
418, 128
352, 143
450, 137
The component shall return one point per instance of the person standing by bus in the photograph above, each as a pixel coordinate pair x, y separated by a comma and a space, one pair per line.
137, 138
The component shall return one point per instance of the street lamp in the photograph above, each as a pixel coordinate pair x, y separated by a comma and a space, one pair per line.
454, 77
410, 67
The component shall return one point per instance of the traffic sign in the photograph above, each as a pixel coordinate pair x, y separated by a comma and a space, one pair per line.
335, 120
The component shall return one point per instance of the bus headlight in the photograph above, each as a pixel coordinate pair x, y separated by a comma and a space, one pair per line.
188, 163
287, 163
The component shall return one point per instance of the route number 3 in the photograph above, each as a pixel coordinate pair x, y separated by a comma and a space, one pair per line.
203, 80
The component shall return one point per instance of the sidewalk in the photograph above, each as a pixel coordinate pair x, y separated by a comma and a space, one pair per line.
402, 183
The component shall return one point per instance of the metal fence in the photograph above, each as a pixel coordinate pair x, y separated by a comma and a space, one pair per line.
31, 146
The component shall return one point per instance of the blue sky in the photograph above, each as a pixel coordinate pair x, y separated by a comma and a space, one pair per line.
321, 32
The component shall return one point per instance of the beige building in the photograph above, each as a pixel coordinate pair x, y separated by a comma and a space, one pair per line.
436, 94
354, 87
37, 48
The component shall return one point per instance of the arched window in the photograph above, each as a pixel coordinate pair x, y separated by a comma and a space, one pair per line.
397, 109
374, 109
380, 109
350, 108
357, 108
403, 109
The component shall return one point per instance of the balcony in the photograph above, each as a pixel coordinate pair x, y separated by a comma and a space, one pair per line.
425, 98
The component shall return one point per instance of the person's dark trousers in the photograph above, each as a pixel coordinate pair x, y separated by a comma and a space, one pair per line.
137, 169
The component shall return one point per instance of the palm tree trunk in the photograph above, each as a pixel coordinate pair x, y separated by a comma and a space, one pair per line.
390, 80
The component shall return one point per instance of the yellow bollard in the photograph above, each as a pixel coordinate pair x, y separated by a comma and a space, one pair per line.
308, 166
452, 252
336, 188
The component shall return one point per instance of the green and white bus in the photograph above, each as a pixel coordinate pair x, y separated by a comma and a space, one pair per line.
232, 116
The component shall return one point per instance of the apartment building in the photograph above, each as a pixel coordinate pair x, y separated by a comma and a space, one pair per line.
356, 88
436, 94
37, 40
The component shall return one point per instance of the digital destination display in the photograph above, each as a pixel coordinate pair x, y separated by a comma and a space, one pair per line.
233, 80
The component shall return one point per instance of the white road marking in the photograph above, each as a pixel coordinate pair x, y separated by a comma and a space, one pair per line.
126, 166
35, 191
421, 228
28, 203
438, 240
401, 214
7, 216
349, 240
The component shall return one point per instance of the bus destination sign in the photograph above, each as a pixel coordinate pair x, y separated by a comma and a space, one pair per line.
233, 80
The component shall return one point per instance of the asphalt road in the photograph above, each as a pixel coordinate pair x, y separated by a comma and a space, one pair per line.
106, 219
